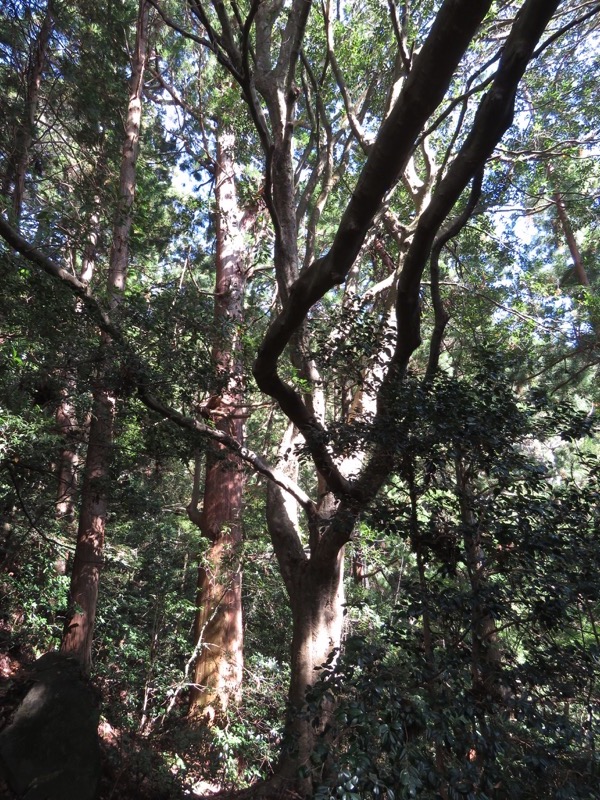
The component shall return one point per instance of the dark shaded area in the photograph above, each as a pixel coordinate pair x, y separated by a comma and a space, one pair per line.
49, 750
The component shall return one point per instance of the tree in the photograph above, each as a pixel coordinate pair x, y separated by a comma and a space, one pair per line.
83, 595
414, 150
19, 155
218, 625
447, 695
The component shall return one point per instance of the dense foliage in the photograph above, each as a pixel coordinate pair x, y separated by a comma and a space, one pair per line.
408, 718
412, 346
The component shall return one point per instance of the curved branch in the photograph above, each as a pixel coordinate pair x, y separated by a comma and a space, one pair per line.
440, 313
492, 119
220, 44
494, 116
450, 35
351, 115
291, 41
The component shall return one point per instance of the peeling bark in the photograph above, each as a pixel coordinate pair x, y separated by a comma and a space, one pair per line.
218, 628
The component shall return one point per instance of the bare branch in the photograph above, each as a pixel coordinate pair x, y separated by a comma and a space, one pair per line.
211, 44
351, 114
569, 26
494, 116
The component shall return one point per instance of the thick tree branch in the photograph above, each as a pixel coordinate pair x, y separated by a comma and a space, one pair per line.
494, 116
451, 33
441, 316
284, 535
291, 41
35, 256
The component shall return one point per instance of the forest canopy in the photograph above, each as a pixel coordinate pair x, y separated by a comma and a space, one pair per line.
299, 347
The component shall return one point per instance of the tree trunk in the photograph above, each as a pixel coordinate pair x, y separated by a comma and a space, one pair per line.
315, 587
218, 630
579, 270
17, 166
85, 576
66, 470
218, 627
318, 614
68, 460
486, 655
67, 425
83, 594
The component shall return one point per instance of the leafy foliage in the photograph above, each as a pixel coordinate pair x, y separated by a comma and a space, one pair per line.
470, 654
414, 717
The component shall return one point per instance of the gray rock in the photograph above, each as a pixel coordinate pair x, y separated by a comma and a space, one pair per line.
50, 749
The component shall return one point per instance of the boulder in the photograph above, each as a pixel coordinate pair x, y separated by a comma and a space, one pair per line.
49, 750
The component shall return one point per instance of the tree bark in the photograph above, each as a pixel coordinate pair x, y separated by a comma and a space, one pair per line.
218, 627
486, 656
317, 600
68, 459
315, 588
87, 563
16, 170
579, 270
67, 424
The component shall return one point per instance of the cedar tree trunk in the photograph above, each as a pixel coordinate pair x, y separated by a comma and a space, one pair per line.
218, 627
16, 170
87, 563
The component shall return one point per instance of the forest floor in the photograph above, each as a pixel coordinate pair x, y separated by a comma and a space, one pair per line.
167, 765
133, 767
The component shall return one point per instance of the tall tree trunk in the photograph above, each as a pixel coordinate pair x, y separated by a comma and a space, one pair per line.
486, 655
318, 614
218, 627
66, 469
16, 170
83, 595
67, 425
579, 270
